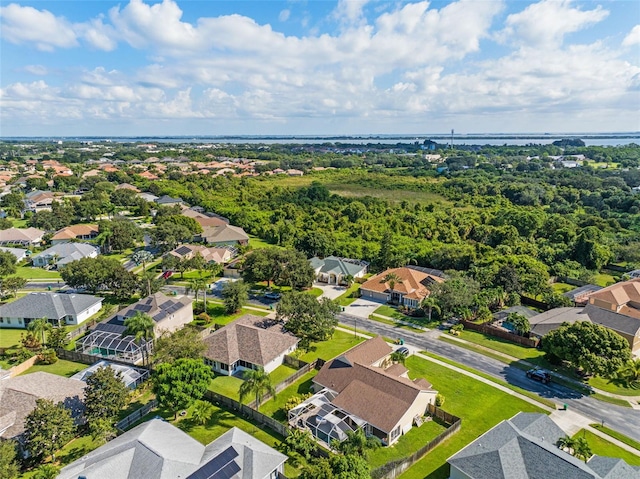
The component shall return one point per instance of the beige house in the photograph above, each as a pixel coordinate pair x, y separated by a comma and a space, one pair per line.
364, 389
250, 342
21, 236
410, 290
210, 255
75, 232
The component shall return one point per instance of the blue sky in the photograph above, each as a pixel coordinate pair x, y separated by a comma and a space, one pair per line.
193, 67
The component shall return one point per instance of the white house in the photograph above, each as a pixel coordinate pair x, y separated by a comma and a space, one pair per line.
65, 253
71, 309
334, 270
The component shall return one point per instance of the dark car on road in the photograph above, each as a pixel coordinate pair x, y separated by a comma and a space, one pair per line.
272, 295
538, 374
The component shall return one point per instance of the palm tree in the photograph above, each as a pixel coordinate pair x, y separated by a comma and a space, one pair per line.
196, 285
202, 411
142, 257
356, 443
430, 303
629, 373
141, 326
348, 279
39, 327
582, 450
567, 444
397, 357
258, 382
391, 279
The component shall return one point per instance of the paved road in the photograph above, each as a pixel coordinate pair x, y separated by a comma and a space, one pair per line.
54, 285
624, 420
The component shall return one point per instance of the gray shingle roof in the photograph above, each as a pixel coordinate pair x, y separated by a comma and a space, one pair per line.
48, 305
68, 252
159, 450
523, 447
18, 398
336, 265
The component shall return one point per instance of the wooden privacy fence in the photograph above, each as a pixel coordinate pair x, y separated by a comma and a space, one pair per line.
486, 328
136, 415
393, 469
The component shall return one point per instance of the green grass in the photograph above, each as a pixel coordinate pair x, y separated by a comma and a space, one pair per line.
350, 295
409, 443
10, 338
76, 449
524, 392
479, 405
612, 387
390, 312
28, 272
281, 373
603, 279
227, 386
616, 435
315, 292
338, 344
258, 243
561, 288
219, 316
19, 223
275, 407
610, 400
602, 447
139, 398
61, 367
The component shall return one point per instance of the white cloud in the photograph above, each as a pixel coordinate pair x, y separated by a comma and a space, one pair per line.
545, 24
349, 11
284, 15
39, 70
98, 35
40, 27
633, 38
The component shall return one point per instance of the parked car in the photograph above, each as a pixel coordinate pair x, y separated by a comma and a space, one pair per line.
538, 374
272, 295
403, 350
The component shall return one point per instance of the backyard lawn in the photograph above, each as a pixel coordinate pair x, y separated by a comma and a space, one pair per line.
480, 406
602, 447
275, 407
10, 338
338, 344
61, 367
227, 386
561, 288
281, 373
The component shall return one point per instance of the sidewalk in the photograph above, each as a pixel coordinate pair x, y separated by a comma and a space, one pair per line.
632, 400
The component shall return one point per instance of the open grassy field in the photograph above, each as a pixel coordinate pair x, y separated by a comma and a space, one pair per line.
602, 447
480, 406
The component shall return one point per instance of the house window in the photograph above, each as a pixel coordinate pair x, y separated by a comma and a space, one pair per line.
395, 433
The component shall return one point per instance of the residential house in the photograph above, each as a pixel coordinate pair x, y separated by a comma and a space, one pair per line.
294, 172
58, 308
127, 186
18, 398
19, 253
210, 255
21, 236
108, 338
551, 320
334, 270
75, 232
147, 175
411, 288
363, 389
525, 447
205, 219
223, 235
166, 200
149, 197
634, 274
157, 449
249, 342
38, 200
62, 254
618, 307
580, 295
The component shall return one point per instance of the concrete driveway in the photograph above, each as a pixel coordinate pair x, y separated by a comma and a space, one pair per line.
330, 291
362, 308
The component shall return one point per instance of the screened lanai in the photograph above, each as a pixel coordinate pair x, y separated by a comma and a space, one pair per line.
325, 421
111, 345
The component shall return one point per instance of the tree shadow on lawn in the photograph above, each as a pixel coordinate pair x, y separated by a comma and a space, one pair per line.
556, 389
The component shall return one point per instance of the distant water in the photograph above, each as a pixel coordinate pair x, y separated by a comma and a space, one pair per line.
590, 139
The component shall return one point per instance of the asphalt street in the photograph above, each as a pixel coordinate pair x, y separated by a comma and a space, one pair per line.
623, 420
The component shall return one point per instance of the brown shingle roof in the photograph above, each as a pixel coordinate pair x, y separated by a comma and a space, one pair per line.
619, 293
369, 352
244, 339
413, 283
74, 231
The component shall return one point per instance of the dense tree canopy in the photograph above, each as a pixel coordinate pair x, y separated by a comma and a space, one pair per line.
178, 385
306, 317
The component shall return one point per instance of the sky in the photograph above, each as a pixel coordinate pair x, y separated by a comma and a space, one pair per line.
318, 67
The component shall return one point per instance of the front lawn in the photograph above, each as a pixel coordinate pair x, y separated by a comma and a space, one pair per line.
390, 312
612, 387
10, 338
219, 316
28, 272
338, 344
61, 367
602, 447
315, 292
350, 295
480, 406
